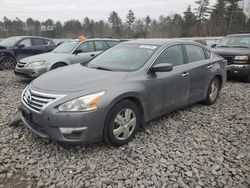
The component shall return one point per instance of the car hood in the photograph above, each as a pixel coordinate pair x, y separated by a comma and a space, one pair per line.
231, 51
45, 57
75, 78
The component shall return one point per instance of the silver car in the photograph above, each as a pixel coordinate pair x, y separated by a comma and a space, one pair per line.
125, 86
65, 54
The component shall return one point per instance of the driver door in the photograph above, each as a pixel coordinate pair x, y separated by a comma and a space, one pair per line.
168, 90
84, 52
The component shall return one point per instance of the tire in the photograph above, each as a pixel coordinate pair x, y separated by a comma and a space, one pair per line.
117, 121
57, 65
213, 91
7, 63
247, 79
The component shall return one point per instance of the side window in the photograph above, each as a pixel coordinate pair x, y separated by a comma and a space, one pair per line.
101, 46
173, 55
112, 43
86, 47
194, 53
38, 42
26, 42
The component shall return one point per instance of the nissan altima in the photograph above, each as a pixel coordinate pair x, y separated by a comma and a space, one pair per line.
121, 89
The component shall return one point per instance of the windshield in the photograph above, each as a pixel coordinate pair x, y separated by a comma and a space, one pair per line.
9, 42
66, 47
235, 41
126, 57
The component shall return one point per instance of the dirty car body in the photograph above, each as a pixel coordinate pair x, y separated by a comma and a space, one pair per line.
149, 78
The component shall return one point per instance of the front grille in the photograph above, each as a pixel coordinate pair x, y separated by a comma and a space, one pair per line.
230, 59
36, 100
21, 64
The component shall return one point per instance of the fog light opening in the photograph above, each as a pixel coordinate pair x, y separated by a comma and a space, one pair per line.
75, 130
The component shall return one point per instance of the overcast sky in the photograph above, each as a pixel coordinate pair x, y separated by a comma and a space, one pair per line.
96, 9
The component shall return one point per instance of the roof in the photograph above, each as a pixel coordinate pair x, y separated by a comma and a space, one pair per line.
238, 35
158, 42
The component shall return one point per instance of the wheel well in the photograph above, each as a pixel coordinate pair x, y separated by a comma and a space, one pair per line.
6, 54
62, 63
138, 104
220, 79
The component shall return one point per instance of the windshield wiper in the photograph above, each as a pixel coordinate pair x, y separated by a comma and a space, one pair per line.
223, 46
239, 47
101, 68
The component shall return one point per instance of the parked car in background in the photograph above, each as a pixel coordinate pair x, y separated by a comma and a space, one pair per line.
67, 53
125, 86
236, 50
15, 48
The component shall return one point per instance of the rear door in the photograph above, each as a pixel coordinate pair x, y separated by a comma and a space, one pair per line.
87, 52
100, 46
168, 90
39, 45
24, 49
200, 66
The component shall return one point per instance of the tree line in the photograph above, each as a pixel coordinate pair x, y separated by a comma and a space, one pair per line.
225, 17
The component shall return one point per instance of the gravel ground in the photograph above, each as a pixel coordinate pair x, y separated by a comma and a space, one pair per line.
199, 146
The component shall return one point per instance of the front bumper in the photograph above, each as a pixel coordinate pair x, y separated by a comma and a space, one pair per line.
238, 69
47, 125
30, 72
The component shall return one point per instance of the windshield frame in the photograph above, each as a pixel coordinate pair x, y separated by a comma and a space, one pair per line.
13, 44
125, 70
230, 38
69, 52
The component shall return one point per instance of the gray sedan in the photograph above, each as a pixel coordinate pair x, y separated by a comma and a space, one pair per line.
127, 85
67, 53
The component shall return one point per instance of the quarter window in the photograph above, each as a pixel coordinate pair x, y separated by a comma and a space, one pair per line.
86, 47
112, 43
25, 42
172, 55
194, 53
100, 46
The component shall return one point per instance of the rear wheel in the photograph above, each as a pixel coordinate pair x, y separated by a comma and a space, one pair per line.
213, 91
7, 63
57, 65
122, 123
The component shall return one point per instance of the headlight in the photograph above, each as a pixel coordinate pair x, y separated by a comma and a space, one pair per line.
241, 58
85, 103
36, 63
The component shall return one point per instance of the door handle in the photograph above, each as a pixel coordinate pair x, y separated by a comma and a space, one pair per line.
209, 66
185, 74
92, 55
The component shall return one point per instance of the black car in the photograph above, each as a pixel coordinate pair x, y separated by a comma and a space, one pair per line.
236, 50
15, 48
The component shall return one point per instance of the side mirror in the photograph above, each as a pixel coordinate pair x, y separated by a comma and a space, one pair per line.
163, 67
77, 51
20, 46
213, 45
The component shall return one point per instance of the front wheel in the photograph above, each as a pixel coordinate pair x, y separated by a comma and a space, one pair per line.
247, 79
213, 91
122, 123
7, 63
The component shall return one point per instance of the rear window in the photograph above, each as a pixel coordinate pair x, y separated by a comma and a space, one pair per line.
38, 42
194, 53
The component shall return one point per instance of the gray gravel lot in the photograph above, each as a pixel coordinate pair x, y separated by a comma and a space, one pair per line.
199, 146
